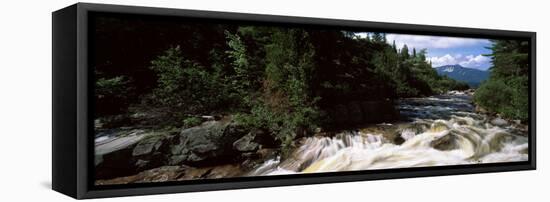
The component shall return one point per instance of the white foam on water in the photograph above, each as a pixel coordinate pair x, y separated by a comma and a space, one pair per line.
459, 140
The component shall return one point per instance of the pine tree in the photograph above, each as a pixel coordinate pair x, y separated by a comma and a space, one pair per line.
422, 55
506, 90
378, 37
405, 52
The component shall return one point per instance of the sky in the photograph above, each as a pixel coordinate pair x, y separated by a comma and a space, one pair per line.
468, 52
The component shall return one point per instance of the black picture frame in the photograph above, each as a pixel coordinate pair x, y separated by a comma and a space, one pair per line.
72, 95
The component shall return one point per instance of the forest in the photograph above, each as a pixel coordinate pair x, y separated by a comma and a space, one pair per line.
506, 91
278, 79
181, 100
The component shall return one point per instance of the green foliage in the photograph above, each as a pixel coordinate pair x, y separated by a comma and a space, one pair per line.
279, 79
446, 83
185, 86
378, 37
510, 58
191, 121
112, 94
244, 78
286, 105
411, 75
405, 53
499, 93
506, 91
115, 86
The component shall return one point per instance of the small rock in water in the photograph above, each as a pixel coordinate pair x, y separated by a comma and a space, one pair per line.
246, 144
499, 122
438, 126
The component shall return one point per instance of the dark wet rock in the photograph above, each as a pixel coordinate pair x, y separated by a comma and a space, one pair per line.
398, 140
445, 143
255, 140
499, 122
117, 163
131, 152
161, 174
207, 144
254, 159
267, 153
113, 155
151, 144
246, 144
153, 150
141, 163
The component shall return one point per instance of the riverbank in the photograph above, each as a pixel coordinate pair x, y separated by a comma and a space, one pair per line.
432, 131
203, 151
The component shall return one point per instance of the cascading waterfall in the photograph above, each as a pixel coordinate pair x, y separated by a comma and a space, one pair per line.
441, 130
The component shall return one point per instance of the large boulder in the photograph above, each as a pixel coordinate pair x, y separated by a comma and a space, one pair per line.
153, 151
253, 141
446, 143
128, 152
499, 122
208, 144
246, 144
113, 152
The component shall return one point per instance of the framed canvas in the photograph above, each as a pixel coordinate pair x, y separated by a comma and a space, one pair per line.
156, 100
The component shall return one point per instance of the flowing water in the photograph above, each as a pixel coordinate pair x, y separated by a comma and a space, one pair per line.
434, 131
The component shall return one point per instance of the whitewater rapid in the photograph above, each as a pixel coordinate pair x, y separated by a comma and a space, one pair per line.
434, 131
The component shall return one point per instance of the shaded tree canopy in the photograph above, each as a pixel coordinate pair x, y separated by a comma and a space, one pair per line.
281, 79
507, 89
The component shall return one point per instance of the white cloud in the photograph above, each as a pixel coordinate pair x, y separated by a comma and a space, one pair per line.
422, 41
478, 61
443, 60
440, 43
475, 61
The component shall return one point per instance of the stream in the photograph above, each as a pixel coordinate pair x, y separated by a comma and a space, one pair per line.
433, 131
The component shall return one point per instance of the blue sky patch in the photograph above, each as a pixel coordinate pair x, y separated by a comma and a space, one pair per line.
467, 52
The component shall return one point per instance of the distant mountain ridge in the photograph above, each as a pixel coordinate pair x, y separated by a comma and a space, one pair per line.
472, 77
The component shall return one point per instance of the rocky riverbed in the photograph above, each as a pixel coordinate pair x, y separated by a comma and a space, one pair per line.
218, 148
438, 130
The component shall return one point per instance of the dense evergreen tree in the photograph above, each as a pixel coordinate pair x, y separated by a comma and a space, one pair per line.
506, 90
378, 37
405, 53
